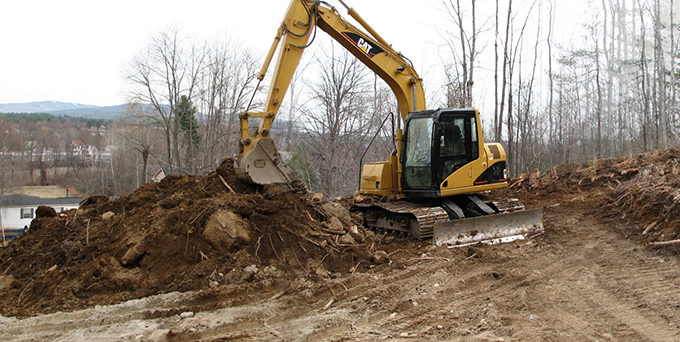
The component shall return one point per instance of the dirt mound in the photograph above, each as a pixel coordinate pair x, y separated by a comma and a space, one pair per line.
641, 192
650, 202
572, 177
183, 233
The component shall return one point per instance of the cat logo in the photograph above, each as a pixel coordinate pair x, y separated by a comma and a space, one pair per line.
371, 49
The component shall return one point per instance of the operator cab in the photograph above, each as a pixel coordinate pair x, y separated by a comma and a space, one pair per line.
436, 144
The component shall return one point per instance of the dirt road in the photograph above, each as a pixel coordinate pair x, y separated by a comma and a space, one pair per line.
580, 281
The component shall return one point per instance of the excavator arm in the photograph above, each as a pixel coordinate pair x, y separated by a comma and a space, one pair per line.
258, 160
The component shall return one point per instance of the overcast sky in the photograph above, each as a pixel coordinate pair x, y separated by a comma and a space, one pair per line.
72, 51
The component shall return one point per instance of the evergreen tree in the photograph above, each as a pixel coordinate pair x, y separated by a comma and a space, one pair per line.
186, 113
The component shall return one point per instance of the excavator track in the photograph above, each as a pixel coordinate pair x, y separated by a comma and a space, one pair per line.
508, 206
415, 219
419, 219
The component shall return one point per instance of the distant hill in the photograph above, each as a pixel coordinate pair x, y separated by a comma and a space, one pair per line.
64, 108
40, 107
107, 112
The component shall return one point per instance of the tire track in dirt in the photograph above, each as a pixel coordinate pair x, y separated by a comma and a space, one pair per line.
646, 298
603, 287
612, 289
472, 283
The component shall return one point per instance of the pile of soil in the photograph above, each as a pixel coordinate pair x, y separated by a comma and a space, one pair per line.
578, 177
640, 193
231, 240
181, 234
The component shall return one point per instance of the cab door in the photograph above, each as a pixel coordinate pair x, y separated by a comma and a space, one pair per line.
456, 145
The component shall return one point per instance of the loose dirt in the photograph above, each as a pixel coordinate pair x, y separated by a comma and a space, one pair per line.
188, 259
182, 234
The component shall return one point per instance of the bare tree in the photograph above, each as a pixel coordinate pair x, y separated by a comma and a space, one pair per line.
498, 119
139, 133
225, 86
169, 67
460, 81
338, 127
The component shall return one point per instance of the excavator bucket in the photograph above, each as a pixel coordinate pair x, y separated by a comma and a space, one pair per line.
263, 165
489, 228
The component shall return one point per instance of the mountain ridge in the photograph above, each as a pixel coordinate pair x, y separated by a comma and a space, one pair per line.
65, 108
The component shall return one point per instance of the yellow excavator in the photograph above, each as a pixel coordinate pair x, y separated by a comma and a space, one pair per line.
440, 161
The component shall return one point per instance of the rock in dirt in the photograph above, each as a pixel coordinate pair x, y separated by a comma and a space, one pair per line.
337, 210
335, 226
380, 257
225, 228
356, 233
347, 239
132, 255
6, 282
108, 215
354, 230
162, 335
249, 273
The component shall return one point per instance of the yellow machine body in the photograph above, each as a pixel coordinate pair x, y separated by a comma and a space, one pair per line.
440, 154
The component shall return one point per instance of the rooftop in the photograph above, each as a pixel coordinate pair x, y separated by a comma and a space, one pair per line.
20, 199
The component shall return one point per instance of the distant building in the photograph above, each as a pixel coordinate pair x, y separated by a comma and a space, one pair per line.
17, 210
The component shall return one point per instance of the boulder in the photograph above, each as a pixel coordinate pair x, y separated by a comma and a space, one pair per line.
335, 226
337, 210
225, 228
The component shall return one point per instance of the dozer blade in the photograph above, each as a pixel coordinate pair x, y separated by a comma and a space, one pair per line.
488, 227
263, 165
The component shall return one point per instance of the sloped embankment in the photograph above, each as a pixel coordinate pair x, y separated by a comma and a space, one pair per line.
640, 192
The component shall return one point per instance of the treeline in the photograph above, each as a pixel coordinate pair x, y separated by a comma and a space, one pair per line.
610, 91
41, 149
611, 88
45, 117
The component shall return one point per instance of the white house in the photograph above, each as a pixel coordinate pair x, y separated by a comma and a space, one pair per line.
17, 210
